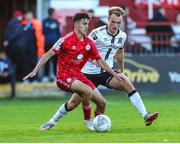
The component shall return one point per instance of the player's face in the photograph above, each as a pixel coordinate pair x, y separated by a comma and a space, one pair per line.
114, 23
83, 26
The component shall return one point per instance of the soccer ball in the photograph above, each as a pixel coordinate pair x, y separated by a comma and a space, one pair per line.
102, 123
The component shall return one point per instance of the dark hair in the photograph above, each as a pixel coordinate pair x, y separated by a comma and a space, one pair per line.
90, 11
79, 16
50, 11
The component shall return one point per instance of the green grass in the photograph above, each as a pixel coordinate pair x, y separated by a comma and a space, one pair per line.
21, 118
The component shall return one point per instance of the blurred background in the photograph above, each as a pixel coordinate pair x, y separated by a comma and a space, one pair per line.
28, 28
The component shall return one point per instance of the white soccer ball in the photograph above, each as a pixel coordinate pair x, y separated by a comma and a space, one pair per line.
102, 123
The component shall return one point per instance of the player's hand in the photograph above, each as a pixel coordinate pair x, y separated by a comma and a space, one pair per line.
120, 77
31, 74
94, 62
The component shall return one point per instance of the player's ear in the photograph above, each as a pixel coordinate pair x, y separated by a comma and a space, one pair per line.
76, 23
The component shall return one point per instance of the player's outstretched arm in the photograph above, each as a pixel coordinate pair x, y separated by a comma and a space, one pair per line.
120, 59
102, 63
41, 62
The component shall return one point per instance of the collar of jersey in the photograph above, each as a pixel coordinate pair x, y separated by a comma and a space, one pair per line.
78, 38
111, 34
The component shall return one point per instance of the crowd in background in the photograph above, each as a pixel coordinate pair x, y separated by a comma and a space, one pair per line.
157, 36
26, 39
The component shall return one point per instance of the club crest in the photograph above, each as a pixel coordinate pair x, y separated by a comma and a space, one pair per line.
88, 47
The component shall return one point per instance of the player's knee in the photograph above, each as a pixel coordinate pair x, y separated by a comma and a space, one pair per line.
87, 92
125, 86
102, 104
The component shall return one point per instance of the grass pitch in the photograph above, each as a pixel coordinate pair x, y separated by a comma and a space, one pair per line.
21, 118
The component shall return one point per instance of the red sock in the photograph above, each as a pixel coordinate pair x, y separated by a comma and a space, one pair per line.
87, 112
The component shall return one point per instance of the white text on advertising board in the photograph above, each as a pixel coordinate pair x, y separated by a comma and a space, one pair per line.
174, 77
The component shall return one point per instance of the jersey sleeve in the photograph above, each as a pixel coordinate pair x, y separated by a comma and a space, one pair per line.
93, 35
94, 52
57, 46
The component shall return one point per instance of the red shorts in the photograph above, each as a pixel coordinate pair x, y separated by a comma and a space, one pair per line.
66, 79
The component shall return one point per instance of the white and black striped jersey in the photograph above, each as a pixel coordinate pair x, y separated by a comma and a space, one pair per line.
107, 46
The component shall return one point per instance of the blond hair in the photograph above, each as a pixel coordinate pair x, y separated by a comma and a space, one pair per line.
116, 10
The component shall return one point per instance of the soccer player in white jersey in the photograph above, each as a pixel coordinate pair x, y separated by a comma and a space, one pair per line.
110, 41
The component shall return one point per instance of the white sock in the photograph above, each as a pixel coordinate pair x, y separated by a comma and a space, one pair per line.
58, 115
138, 103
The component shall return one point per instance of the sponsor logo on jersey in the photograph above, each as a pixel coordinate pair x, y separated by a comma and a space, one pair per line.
80, 56
58, 44
53, 25
93, 35
69, 80
88, 47
120, 40
73, 47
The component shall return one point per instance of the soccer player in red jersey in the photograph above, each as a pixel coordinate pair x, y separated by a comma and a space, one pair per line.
73, 51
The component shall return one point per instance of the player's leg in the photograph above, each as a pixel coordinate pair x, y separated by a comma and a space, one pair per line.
93, 81
100, 102
12, 81
84, 90
134, 97
97, 98
74, 101
62, 111
86, 111
78, 87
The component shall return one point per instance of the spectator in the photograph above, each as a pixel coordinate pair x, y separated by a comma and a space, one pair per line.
7, 73
51, 30
137, 39
128, 24
16, 44
94, 21
175, 40
35, 39
160, 34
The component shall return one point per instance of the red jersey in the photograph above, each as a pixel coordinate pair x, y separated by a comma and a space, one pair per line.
73, 53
